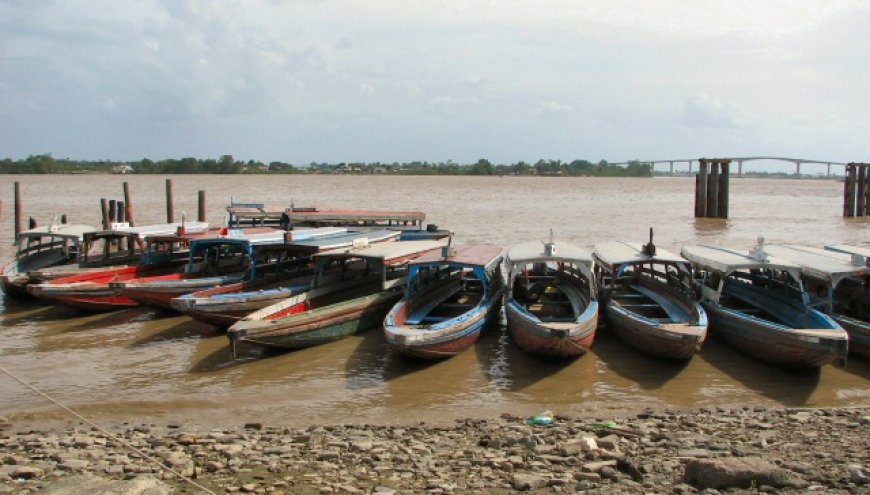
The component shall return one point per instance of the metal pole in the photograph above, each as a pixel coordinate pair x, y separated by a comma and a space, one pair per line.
170, 208
128, 202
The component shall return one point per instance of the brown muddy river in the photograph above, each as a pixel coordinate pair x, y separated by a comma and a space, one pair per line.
138, 364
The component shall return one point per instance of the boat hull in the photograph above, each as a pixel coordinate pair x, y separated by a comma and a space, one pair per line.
776, 344
563, 340
160, 293
307, 328
677, 341
859, 335
450, 338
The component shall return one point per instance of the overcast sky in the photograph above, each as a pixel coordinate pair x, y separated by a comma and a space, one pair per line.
403, 80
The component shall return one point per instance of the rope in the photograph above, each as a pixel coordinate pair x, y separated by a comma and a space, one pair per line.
108, 435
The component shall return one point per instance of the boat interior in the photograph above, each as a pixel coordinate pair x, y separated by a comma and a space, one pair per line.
552, 292
654, 291
767, 295
443, 293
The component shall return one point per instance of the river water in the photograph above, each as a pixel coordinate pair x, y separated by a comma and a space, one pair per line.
137, 365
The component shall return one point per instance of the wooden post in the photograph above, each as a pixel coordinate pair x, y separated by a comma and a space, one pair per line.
701, 209
860, 190
849, 191
113, 211
122, 214
104, 206
128, 208
723, 190
201, 209
17, 206
713, 190
170, 208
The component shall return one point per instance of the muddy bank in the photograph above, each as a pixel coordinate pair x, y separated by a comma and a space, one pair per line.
790, 450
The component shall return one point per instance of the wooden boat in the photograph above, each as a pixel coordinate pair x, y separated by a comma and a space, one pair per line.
451, 295
227, 304
837, 283
38, 248
551, 302
124, 246
758, 305
372, 282
409, 223
213, 262
648, 299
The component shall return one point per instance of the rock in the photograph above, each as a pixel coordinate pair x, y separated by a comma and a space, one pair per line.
739, 472
385, 490
859, 475
26, 472
629, 467
73, 465
254, 426
89, 485
526, 481
594, 467
581, 476
213, 466
610, 442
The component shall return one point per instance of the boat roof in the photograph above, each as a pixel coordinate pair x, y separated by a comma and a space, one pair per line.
468, 255
854, 249
302, 234
345, 215
58, 230
144, 231
271, 236
535, 251
347, 239
386, 251
616, 253
820, 263
726, 260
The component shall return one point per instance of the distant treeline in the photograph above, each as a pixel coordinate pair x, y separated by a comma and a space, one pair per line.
46, 164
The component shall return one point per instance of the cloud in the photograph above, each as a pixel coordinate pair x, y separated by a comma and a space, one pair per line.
703, 110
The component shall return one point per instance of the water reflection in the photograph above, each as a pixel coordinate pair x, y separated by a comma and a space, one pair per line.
647, 372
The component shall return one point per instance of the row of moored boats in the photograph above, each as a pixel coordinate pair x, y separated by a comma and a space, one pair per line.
793, 306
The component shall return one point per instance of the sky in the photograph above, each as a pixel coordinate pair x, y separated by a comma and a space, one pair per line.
401, 80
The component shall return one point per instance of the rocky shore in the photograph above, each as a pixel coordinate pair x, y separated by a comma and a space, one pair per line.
705, 451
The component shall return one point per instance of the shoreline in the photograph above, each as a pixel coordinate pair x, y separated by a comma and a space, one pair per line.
787, 450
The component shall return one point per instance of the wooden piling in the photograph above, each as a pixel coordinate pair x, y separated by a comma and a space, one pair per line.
860, 190
113, 211
713, 190
104, 207
128, 204
723, 190
170, 207
201, 207
17, 206
121, 214
701, 207
866, 199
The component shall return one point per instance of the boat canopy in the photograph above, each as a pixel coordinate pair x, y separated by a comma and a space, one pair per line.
726, 260
614, 254
388, 252
315, 215
472, 255
346, 240
531, 252
76, 231
856, 250
830, 266
315, 233
164, 228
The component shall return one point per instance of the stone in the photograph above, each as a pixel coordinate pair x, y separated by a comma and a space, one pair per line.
89, 484
610, 442
698, 453
739, 472
73, 465
385, 490
859, 475
527, 481
26, 472
594, 467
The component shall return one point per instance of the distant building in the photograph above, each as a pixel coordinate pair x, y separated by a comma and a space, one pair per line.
122, 169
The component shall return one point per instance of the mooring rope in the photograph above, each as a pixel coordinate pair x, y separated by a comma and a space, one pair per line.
108, 435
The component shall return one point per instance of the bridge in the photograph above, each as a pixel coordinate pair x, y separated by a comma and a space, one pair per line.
739, 160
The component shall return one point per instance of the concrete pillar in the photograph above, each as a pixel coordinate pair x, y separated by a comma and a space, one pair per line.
713, 190
797, 167
849, 190
672, 167
701, 191
739, 168
829, 169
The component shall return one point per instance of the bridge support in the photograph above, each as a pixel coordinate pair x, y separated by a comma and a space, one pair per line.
856, 190
739, 168
672, 168
797, 170
829, 169
711, 188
